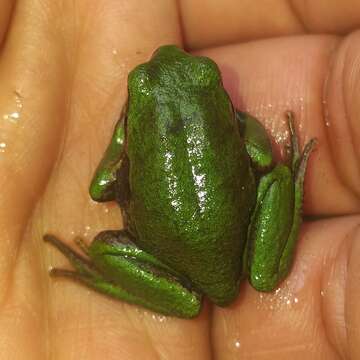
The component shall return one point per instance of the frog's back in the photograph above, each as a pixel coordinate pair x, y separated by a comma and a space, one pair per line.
191, 185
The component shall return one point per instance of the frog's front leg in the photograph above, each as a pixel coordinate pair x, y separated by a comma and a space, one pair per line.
116, 267
103, 184
257, 142
276, 219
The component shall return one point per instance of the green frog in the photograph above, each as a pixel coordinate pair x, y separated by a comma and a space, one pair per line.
203, 205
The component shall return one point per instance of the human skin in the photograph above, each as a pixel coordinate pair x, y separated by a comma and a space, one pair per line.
63, 70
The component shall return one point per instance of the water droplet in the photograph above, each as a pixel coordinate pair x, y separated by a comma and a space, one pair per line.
237, 344
2, 147
18, 101
14, 116
87, 228
159, 317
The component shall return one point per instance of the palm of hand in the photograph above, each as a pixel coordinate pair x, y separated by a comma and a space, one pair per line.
65, 77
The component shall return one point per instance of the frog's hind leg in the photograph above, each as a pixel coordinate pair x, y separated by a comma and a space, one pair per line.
298, 164
276, 219
116, 267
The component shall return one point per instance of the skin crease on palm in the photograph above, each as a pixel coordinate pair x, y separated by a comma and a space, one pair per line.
63, 70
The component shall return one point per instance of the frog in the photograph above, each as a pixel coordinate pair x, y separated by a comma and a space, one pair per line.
204, 205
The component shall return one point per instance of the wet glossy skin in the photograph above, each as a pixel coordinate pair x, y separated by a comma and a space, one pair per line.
195, 188
187, 170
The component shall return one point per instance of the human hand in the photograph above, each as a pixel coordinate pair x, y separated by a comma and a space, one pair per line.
63, 70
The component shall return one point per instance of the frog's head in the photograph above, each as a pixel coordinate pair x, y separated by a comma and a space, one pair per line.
171, 68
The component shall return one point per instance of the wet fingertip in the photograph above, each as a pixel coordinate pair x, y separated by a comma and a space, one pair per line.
340, 288
351, 293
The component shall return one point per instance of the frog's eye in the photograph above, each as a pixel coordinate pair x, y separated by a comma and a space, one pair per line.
205, 72
139, 81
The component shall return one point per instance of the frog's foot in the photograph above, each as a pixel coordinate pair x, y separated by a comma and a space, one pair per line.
116, 267
276, 219
298, 160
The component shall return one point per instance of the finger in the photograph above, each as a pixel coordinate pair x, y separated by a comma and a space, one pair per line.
270, 77
30, 120
313, 314
33, 81
110, 38
341, 112
6, 7
206, 23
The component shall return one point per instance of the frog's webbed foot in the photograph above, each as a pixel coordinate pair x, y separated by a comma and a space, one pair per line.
80, 263
116, 267
276, 219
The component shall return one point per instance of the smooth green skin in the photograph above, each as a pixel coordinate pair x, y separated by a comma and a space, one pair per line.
187, 170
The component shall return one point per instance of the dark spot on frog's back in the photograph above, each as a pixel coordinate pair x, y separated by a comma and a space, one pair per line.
176, 125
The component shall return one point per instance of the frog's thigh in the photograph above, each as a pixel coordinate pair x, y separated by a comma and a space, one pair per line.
125, 272
103, 184
257, 142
